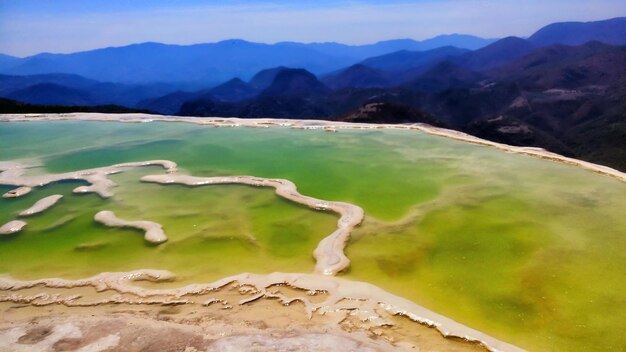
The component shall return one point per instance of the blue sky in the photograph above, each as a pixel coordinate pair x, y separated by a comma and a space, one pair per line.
28, 26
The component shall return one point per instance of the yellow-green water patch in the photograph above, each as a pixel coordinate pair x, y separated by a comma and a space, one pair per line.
528, 250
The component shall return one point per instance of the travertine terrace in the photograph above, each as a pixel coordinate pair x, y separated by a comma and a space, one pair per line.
311, 301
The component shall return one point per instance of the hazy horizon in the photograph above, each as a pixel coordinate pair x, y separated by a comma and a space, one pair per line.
30, 27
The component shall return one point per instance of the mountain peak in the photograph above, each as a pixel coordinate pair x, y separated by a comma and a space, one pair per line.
611, 31
234, 81
295, 82
358, 76
445, 75
503, 50
234, 42
232, 90
404, 59
264, 78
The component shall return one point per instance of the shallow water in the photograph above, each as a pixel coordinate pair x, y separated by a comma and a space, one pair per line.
527, 250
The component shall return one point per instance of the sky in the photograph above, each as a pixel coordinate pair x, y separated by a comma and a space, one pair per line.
28, 27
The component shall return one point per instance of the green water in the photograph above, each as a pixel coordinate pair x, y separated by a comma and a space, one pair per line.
527, 250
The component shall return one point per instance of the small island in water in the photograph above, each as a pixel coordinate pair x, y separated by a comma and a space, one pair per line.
221, 233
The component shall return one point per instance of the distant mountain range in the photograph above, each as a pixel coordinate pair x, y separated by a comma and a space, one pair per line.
563, 88
207, 64
70, 89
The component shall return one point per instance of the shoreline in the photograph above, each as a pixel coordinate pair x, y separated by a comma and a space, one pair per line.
319, 295
329, 253
12, 173
330, 126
